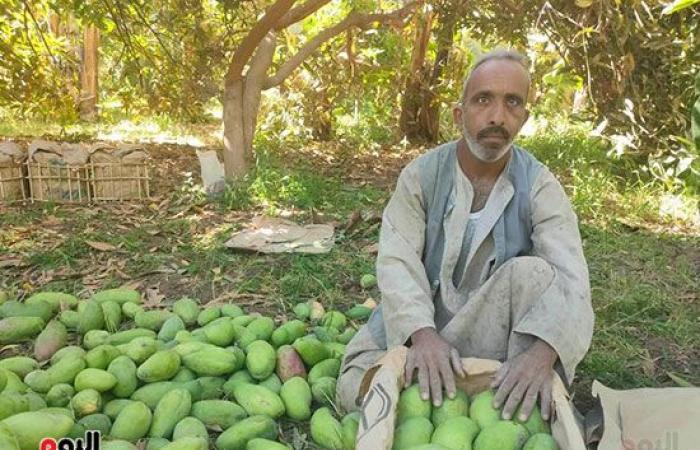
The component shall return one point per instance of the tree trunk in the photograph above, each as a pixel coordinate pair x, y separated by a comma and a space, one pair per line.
243, 89
429, 117
88, 73
235, 163
412, 99
241, 107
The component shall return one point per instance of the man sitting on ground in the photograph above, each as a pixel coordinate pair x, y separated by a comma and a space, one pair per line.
479, 256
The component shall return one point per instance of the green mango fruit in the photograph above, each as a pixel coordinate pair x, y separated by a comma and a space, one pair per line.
160, 366
187, 309
451, 407
18, 329
541, 441
456, 433
326, 431
217, 415
260, 359
238, 435
413, 431
482, 411
102, 356
296, 396
132, 422
59, 395
323, 390
29, 428
311, 350
412, 405
86, 402
207, 315
258, 400
190, 427
97, 379
326, 368
119, 296
172, 408
19, 365
501, 435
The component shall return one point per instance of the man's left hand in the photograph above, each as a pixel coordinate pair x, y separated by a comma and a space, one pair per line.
525, 378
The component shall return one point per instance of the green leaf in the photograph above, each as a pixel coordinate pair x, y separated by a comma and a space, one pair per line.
678, 5
679, 381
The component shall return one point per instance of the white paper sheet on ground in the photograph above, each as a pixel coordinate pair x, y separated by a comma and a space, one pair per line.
273, 235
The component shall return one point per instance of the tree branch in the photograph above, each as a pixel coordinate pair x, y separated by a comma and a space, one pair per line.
38, 30
144, 20
353, 19
300, 13
246, 48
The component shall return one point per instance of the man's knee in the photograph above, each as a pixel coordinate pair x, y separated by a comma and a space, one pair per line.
529, 267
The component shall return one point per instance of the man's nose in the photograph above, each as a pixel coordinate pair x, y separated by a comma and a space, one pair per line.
497, 114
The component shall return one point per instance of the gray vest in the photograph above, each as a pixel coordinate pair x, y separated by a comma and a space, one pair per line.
511, 233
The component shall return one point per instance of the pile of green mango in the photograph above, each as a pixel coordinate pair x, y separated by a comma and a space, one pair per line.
458, 424
185, 377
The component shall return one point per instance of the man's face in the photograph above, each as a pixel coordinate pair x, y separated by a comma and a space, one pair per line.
493, 108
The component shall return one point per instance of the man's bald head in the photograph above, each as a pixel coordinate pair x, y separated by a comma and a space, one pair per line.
497, 55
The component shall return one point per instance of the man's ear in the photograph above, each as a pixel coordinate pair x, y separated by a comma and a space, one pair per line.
457, 114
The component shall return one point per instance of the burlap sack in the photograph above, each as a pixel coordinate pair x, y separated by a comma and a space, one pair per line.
649, 418
119, 173
12, 187
58, 172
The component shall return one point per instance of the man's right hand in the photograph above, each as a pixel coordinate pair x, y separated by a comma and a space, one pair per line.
436, 362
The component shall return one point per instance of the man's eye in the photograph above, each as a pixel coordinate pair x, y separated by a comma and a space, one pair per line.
482, 99
514, 101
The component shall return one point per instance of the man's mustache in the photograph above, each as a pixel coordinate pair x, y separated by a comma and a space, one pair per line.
490, 131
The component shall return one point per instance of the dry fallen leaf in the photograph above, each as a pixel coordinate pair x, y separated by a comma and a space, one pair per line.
101, 246
153, 297
14, 262
372, 249
135, 284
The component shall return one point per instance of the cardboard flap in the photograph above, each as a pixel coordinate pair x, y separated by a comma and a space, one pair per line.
480, 374
566, 430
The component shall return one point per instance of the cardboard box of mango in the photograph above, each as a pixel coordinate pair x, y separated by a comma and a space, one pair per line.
396, 419
181, 377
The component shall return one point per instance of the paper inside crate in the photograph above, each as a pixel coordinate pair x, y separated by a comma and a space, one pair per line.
382, 383
119, 173
11, 173
57, 171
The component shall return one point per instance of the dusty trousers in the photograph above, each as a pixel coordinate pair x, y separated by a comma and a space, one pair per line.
492, 322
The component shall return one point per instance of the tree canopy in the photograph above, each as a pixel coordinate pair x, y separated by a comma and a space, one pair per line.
628, 66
